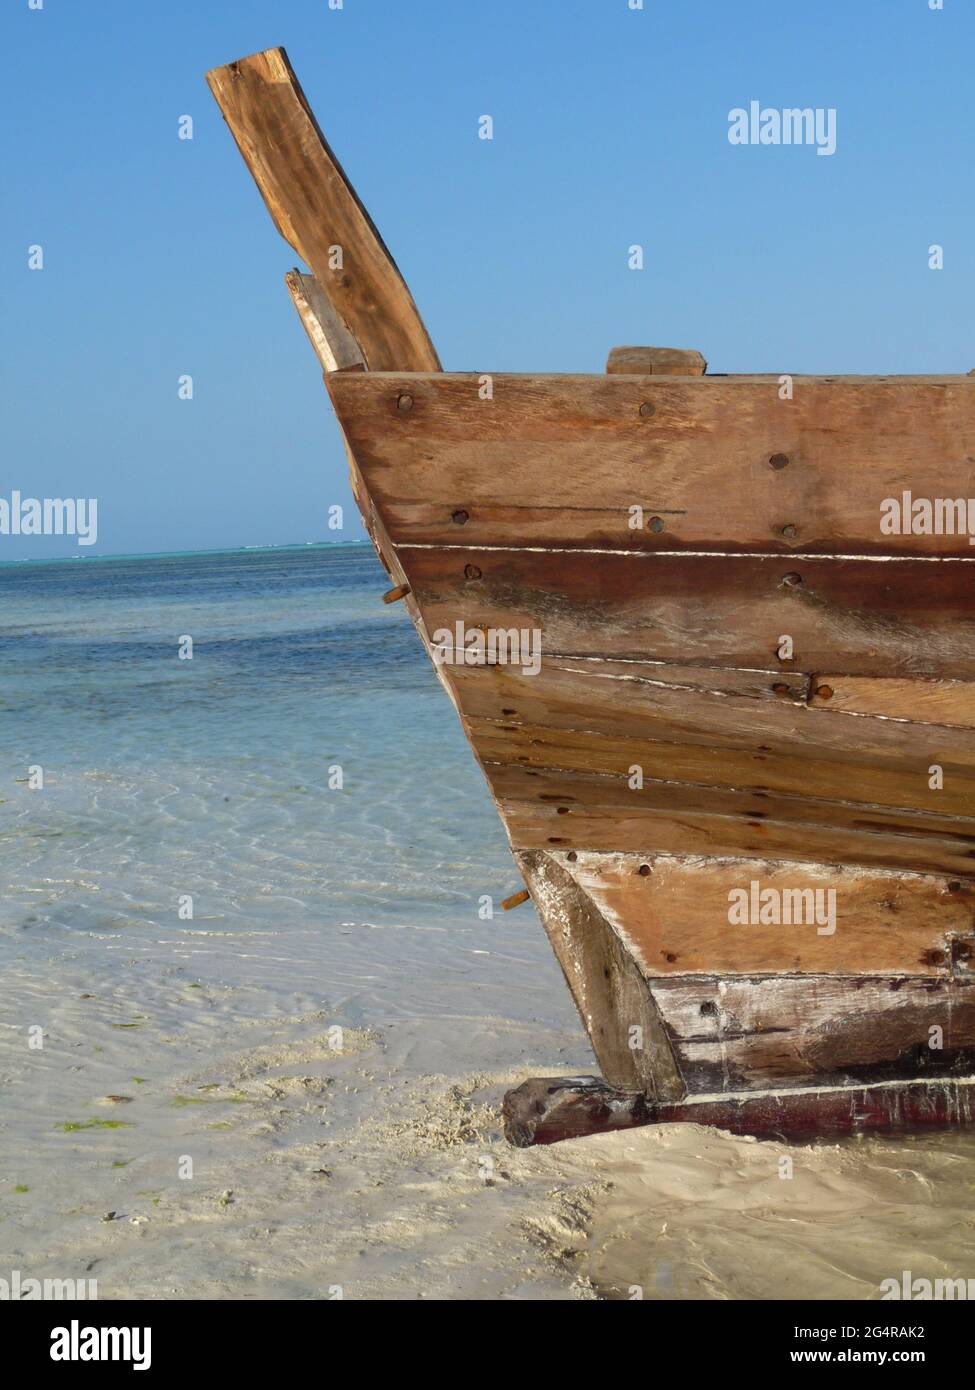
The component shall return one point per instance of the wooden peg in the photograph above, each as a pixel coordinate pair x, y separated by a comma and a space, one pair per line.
516, 900
394, 595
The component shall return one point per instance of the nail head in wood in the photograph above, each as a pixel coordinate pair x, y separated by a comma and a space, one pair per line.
779, 461
460, 517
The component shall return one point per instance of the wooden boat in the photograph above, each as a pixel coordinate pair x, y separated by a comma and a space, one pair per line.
753, 692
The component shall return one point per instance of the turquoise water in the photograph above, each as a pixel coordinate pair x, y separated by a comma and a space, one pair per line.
210, 777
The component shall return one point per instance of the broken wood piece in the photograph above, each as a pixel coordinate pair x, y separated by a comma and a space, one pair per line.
546, 1110
394, 595
334, 345
656, 361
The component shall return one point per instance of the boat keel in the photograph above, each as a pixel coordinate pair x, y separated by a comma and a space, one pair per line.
546, 1110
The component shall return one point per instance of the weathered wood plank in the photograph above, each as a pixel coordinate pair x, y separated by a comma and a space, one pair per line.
721, 463
679, 916
611, 995
711, 765
569, 802
316, 210
864, 618
697, 833
635, 699
548, 1109
655, 361
739, 1032
924, 701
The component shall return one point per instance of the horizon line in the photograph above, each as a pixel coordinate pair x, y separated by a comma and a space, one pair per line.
172, 554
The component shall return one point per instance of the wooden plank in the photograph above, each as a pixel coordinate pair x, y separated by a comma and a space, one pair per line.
611, 995
316, 210
548, 1109
678, 916
924, 701
561, 460
862, 617
334, 345
650, 831
651, 361
635, 700
741, 1033
711, 765
573, 803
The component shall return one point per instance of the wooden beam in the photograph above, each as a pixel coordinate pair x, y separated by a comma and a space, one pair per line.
316, 210
548, 1109
655, 361
613, 999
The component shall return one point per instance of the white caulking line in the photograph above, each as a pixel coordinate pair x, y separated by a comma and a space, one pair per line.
945, 1081
675, 665
670, 685
782, 555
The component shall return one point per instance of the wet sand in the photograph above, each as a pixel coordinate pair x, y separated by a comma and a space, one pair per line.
331, 1164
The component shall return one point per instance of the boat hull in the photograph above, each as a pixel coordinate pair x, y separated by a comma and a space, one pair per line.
712, 640
739, 782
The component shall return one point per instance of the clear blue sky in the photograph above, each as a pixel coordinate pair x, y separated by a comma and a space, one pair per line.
610, 129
